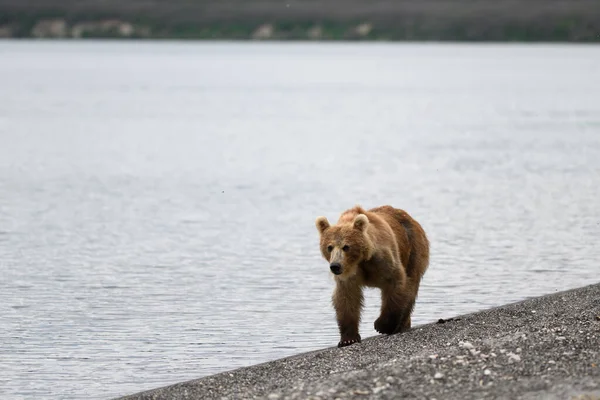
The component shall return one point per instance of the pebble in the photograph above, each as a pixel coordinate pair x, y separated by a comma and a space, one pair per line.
390, 379
438, 375
487, 372
466, 345
512, 357
273, 396
560, 338
379, 388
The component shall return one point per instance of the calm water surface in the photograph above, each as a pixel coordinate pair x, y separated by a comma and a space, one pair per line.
157, 200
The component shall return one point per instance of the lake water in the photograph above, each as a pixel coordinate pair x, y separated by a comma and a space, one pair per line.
157, 200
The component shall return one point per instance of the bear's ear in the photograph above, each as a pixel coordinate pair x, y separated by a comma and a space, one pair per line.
322, 224
361, 222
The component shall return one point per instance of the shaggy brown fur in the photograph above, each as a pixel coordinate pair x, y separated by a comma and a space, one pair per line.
383, 248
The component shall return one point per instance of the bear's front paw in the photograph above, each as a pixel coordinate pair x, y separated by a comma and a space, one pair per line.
348, 342
386, 324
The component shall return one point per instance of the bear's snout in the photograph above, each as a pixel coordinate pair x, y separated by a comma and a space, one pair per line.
336, 268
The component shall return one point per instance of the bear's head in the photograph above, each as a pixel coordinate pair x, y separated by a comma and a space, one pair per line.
345, 245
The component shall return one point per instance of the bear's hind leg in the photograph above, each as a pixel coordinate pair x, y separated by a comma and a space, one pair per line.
395, 311
348, 303
406, 325
405, 321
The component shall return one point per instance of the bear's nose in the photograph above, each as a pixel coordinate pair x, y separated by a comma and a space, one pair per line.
336, 268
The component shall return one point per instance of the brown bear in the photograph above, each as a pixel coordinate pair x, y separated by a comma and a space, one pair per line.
383, 248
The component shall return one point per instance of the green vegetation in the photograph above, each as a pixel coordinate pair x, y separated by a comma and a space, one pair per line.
456, 20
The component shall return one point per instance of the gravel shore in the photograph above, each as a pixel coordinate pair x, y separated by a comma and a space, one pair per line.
541, 348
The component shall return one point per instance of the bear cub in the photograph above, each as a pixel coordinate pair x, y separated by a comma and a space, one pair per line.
384, 248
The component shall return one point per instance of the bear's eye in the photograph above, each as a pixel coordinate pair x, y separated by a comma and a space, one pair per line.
329, 248
346, 248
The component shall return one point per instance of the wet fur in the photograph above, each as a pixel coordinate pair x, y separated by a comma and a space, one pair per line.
388, 250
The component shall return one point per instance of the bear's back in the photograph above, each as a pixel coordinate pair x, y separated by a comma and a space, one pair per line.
412, 240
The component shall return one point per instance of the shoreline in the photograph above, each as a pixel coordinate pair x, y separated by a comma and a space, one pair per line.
250, 37
545, 347
237, 42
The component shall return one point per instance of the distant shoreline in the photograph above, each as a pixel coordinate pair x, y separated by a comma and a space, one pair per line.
575, 21
123, 30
